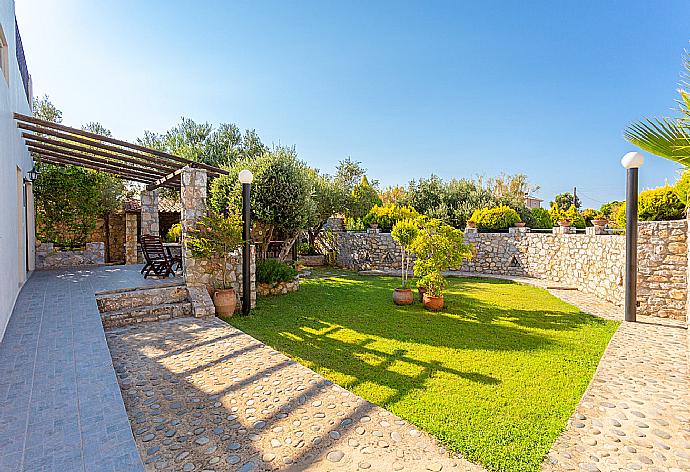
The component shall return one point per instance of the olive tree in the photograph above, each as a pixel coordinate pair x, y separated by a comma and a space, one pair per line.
280, 199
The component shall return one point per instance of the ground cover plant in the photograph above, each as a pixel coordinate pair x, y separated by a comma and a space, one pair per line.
494, 376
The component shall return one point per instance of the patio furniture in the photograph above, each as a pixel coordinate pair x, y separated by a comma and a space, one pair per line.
175, 253
158, 260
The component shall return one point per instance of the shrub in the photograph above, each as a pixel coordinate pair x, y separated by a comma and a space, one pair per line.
570, 214
542, 218
610, 210
405, 232
492, 219
660, 204
174, 233
213, 238
682, 187
387, 216
589, 214
271, 271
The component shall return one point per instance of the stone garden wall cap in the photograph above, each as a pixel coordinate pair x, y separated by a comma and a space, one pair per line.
246, 176
632, 160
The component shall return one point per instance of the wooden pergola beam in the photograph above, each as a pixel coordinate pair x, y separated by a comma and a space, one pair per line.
51, 143
163, 180
40, 147
64, 162
150, 160
110, 168
125, 144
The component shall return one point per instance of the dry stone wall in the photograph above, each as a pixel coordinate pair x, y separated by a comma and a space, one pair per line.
48, 257
591, 263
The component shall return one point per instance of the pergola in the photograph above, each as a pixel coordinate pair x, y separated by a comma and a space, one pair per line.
62, 145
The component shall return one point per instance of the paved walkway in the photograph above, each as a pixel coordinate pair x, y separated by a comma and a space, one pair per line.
203, 395
60, 405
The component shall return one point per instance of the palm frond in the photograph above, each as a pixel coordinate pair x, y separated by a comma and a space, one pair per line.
664, 137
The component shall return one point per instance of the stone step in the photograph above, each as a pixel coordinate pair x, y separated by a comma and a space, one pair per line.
144, 314
117, 300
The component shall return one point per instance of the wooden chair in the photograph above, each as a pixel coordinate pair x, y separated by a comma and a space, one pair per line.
158, 260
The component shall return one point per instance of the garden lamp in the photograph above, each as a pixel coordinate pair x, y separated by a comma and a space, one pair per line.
246, 177
632, 161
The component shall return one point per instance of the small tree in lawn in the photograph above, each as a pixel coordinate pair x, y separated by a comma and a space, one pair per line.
438, 247
405, 232
214, 237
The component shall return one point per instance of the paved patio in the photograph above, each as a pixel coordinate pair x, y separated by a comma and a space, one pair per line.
203, 395
60, 405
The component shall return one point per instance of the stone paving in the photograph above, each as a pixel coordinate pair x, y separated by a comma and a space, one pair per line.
202, 395
60, 405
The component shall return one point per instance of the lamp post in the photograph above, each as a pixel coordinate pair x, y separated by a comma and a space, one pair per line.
632, 162
246, 178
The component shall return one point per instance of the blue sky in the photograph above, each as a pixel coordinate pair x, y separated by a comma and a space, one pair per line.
407, 88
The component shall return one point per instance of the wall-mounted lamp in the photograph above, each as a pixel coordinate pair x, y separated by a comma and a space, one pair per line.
31, 175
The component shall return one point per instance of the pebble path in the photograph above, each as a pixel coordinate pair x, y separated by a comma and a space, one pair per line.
203, 396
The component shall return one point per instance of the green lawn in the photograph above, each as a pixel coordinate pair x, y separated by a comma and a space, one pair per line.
494, 376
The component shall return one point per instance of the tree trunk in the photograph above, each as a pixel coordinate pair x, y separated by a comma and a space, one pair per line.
106, 234
314, 232
286, 248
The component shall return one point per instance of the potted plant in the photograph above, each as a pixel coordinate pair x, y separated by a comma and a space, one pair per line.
213, 238
565, 222
434, 284
599, 220
404, 232
471, 224
438, 247
520, 224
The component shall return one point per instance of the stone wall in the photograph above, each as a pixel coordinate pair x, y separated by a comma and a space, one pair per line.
116, 236
149, 212
591, 263
200, 272
279, 288
48, 257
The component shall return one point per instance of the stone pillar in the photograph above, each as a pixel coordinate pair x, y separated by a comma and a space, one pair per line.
149, 213
516, 230
131, 230
193, 199
595, 230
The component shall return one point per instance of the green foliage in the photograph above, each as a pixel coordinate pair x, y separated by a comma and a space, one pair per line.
395, 195
433, 283
682, 188
354, 225
214, 237
280, 194
387, 216
589, 214
495, 376
542, 218
69, 200
576, 219
174, 233
201, 142
619, 217
438, 247
44, 109
497, 218
405, 231
667, 137
329, 196
565, 200
364, 197
348, 173
660, 204
272, 271
610, 209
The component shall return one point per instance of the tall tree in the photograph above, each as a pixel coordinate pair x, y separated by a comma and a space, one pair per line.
564, 200
44, 109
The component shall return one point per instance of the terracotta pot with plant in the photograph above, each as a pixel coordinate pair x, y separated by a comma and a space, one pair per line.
434, 284
438, 247
404, 232
213, 238
565, 223
471, 224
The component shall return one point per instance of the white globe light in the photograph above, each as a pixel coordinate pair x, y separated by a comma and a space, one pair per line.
632, 160
246, 176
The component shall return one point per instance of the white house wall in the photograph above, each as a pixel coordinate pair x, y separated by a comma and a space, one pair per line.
13, 156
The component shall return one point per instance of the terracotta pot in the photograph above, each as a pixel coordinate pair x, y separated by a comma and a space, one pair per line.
225, 301
373, 225
565, 223
520, 224
471, 224
433, 303
421, 291
600, 222
403, 296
